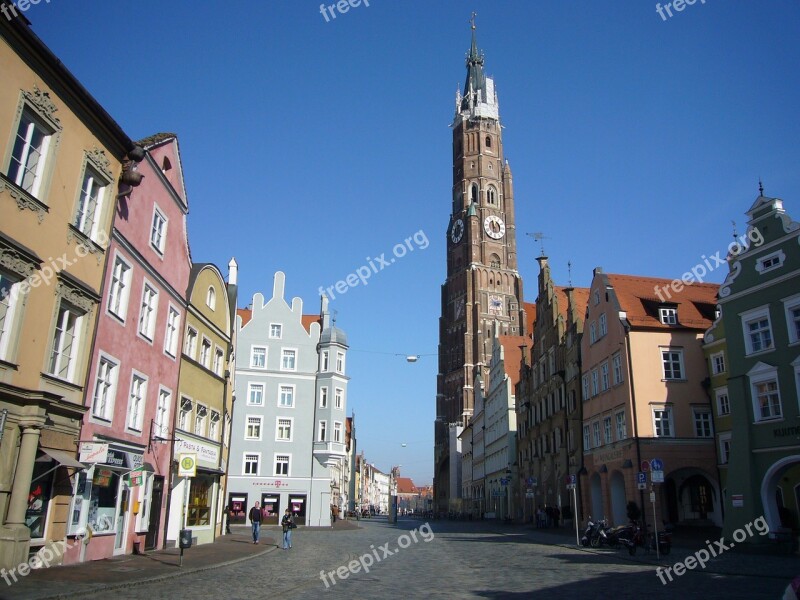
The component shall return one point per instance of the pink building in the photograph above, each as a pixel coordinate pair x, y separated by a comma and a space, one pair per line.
133, 376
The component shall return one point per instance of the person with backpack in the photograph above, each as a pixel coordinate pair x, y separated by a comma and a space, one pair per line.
255, 520
287, 522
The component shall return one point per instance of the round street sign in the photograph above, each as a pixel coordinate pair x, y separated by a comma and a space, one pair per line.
656, 464
645, 465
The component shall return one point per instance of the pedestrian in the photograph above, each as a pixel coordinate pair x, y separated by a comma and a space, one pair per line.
556, 515
229, 519
255, 520
287, 522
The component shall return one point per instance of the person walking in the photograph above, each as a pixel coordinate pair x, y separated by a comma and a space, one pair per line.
287, 522
255, 520
228, 520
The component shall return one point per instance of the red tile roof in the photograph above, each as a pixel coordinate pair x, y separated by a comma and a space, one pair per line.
405, 485
637, 296
246, 315
530, 317
512, 355
309, 319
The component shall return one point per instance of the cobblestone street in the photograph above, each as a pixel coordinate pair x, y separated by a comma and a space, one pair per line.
460, 560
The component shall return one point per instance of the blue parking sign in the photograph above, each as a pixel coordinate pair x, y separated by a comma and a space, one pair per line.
641, 477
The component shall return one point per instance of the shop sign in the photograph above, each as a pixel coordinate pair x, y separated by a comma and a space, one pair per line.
124, 460
93, 452
737, 500
205, 452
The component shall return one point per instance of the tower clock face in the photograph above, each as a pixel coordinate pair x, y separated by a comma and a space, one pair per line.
457, 232
494, 226
495, 305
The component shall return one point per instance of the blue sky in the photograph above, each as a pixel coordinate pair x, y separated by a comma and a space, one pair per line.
309, 146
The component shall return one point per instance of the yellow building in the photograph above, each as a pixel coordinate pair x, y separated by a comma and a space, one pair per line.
205, 402
61, 160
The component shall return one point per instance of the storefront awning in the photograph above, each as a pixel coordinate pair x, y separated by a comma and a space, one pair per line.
63, 458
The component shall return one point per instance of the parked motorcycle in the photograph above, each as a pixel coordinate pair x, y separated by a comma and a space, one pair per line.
639, 538
595, 534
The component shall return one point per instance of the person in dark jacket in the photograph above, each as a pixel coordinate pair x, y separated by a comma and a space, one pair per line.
287, 522
255, 520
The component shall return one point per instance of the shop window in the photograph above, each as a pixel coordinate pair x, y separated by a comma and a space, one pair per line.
199, 510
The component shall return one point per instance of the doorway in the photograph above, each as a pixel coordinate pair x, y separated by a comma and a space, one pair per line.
121, 524
156, 497
270, 508
297, 503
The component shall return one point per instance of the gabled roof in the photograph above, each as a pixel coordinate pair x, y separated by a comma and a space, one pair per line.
512, 355
405, 485
246, 315
639, 298
307, 320
581, 297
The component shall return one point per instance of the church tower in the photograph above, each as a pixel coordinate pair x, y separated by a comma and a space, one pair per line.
483, 286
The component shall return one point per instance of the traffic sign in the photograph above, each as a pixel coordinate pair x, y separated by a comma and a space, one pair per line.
571, 486
656, 464
657, 476
645, 465
187, 465
642, 486
571, 479
641, 477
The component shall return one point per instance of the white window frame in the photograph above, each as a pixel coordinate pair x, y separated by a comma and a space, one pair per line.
253, 423
340, 362
672, 350
777, 259
592, 332
219, 361
205, 352
586, 389
621, 425
587, 437
281, 388
285, 355
603, 325
137, 402
718, 395
323, 396
171, 331
213, 425
616, 362
275, 331
605, 380
279, 426
158, 231
253, 364
595, 382
724, 448
211, 298
251, 458
338, 433
670, 421
200, 419
59, 351
104, 413
338, 398
148, 311
322, 430
759, 374
185, 410
119, 289
608, 432
793, 326
191, 341
718, 363
668, 315
288, 462
324, 361
757, 314
89, 225
31, 120
597, 439
161, 419
251, 386
700, 418
9, 301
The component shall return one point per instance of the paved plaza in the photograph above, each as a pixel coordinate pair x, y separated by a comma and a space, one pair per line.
447, 559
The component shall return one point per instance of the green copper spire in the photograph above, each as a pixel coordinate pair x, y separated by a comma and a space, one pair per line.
476, 79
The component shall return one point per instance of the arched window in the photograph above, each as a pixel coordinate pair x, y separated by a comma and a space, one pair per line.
474, 193
494, 262
488, 142
166, 165
211, 298
491, 195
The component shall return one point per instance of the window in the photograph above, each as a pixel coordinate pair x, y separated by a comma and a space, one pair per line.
793, 318
250, 466
662, 421
258, 357
596, 434
219, 361
603, 325
255, 394
586, 394
768, 399
595, 388
147, 315
253, 428
205, 353
158, 232
324, 361
607, 433
119, 290
30, 153
340, 362
604, 385
275, 331
702, 424
725, 448
136, 402
288, 360
211, 298
338, 400
616, 363
281, 464
337, 432
672, 361
491, 194
622, 430
284, 433
757, 330
771, 262
668, 316
718, 363
323, 431
586, 442
104, 389
9, 289
65, 342
201, 496
185, 413
171, 332
213, 426
191, 342
723, 404
323, 397
286, 396
161, 424
593, 333
596, 297
90, 203
200, 420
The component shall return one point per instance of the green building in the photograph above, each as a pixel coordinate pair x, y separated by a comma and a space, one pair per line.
754, 359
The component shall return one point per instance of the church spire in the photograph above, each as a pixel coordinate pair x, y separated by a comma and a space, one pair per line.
475, 90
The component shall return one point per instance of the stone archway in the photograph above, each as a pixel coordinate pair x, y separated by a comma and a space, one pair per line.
596, 490
619, 514
770, 482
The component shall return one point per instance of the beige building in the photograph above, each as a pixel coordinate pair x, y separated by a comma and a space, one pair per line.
643, 374
61, 158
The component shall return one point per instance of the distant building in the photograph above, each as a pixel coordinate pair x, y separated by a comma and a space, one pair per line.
288, 436
644, 398
753, 351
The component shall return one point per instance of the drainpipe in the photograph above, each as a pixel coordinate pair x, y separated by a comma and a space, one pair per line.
627, 326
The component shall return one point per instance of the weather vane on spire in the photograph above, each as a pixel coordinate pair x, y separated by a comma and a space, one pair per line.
539, 237
472, 20
760, 187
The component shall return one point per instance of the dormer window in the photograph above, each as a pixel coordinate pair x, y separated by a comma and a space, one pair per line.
770, 262
668, 316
